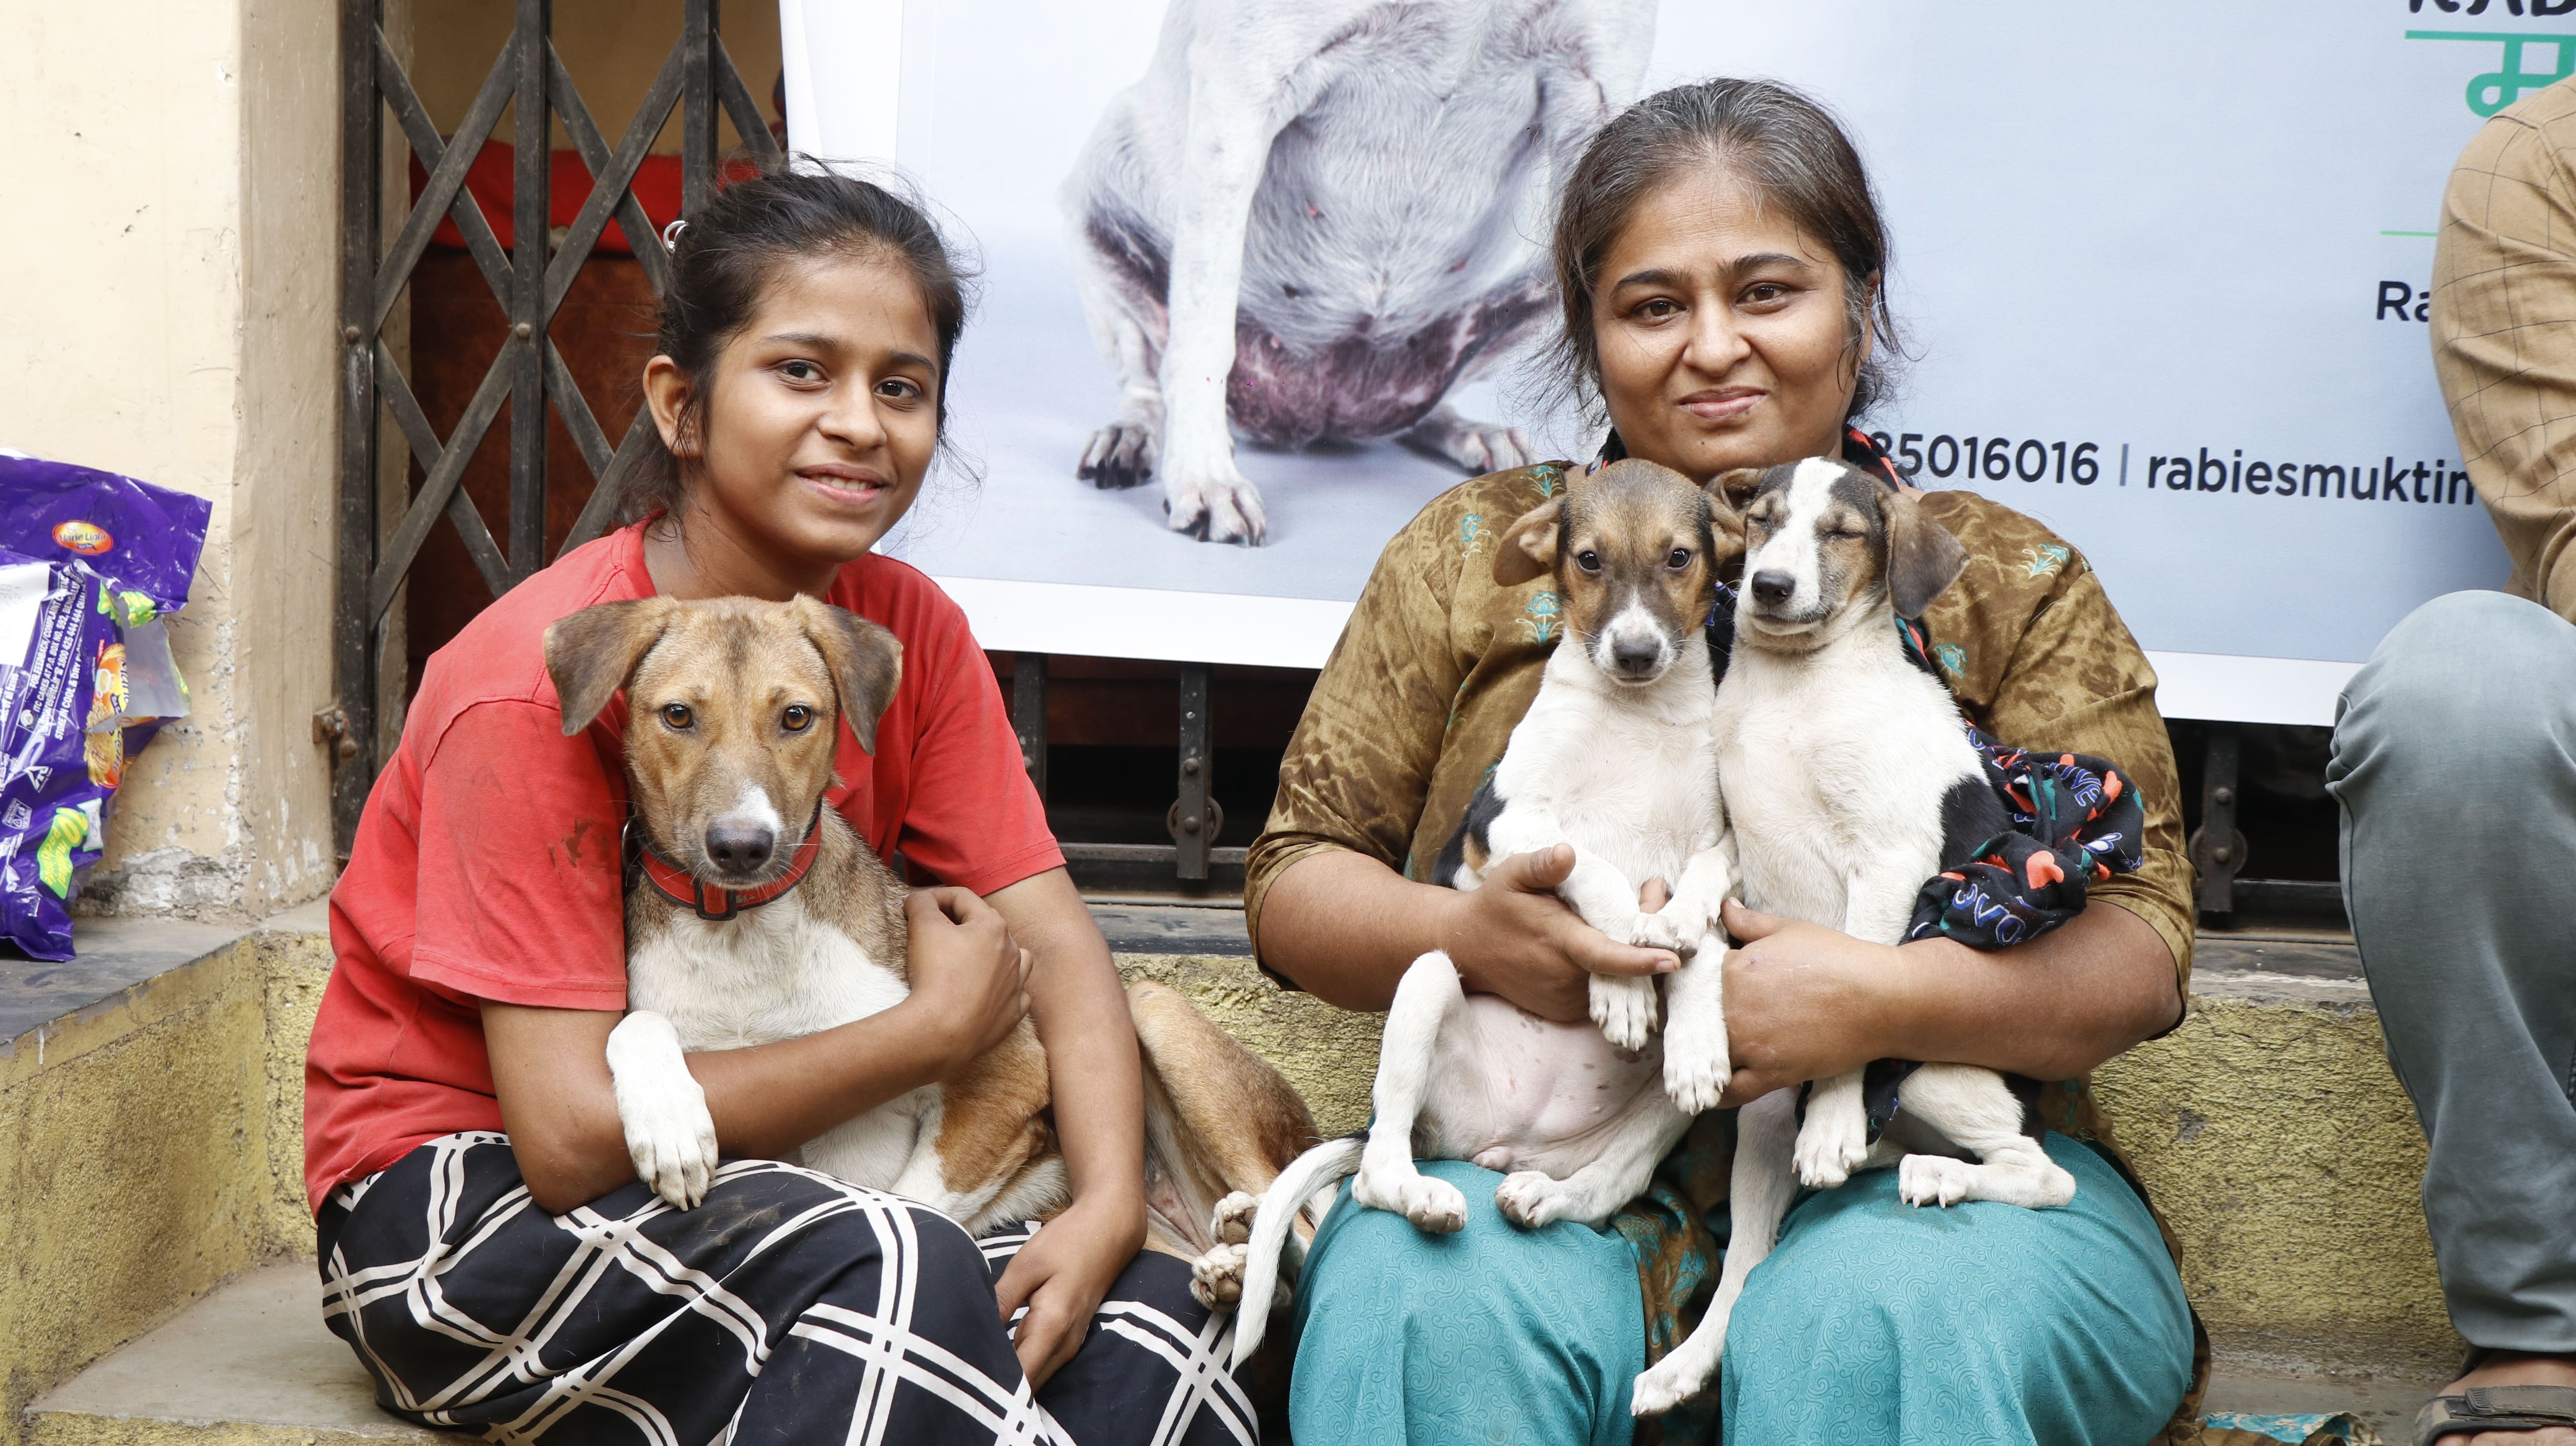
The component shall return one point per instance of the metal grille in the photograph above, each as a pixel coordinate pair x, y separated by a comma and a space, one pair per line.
528, 279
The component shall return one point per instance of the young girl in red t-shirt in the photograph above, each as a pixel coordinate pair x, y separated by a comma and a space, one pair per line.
485, 1245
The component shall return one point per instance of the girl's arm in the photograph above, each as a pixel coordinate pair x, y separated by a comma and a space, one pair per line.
970, 985
1080, 1010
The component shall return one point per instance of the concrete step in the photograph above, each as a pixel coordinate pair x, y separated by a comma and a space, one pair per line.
2386, 1404
251, 1364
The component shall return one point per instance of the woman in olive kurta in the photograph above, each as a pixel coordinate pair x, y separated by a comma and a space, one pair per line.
1721, 259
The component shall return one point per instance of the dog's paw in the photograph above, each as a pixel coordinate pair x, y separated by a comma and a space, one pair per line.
1216, 1278
1231, 1222
1696, 1068
1476, 447
1932, 1180
1831, 1144
1657, 931
1224, 508
1117, 456
1531, 1198
1431, 1204
670, 1136
1624, 1008
1671, 1382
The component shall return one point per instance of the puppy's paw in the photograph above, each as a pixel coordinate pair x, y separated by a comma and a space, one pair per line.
1531, 1198
1671, 1382
1696, 1067
1831, 1144
1231, 1222
1431, 1204
1657, 931
1216, 1278
1624, 1008
1932, 1180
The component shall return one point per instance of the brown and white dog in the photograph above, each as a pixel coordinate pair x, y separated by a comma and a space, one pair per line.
755, 913
1615, 757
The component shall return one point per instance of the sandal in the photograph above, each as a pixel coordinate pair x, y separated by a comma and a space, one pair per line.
2495, 1408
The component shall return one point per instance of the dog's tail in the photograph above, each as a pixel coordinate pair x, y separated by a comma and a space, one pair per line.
1326, 1164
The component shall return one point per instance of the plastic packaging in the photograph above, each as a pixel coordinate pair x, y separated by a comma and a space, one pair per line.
91, 566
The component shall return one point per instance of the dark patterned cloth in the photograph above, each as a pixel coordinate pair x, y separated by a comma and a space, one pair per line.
787, 1307
2075, 820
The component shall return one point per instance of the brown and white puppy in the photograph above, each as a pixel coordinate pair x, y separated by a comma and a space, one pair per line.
1615, 757
754, 913
1849, 780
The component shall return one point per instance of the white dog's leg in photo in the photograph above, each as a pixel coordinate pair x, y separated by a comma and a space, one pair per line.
1697, 1062
1758, 1195
669, 1134
1975, 1110
1625, 1166
1388, 1178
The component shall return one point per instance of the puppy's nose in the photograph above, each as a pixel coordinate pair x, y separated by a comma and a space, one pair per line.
1773, 586
1635, 659
740, 847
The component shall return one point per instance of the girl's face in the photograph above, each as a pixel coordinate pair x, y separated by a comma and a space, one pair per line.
1723, 331
821, 414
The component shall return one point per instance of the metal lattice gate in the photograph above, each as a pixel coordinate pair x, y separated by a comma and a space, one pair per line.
530, 279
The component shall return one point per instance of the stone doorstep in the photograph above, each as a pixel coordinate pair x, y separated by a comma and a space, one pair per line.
253, 1363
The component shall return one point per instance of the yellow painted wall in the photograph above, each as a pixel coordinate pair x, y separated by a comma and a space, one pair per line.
171, 175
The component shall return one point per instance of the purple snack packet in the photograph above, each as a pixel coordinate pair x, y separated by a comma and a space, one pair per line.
90, 563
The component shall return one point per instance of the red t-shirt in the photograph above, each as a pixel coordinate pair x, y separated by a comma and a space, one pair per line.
486, 865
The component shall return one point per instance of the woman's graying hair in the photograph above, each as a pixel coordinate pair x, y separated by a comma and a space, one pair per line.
1774, 139
725, 257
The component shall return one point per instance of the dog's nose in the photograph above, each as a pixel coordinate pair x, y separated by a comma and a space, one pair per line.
1635, 659
1773, 586
740, 847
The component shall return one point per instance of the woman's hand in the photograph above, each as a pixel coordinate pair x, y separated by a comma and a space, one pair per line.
1803, 1002
969, 977
1062, 1275
1513, 936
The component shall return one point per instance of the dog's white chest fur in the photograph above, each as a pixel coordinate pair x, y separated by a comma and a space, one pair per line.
1834, 765
1617, 780
779, 973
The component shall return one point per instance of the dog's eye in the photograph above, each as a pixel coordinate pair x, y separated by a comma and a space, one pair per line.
677, 717
1588, 560
1679, 560
797, 718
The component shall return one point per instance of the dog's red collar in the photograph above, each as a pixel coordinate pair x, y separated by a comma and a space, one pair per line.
645, 865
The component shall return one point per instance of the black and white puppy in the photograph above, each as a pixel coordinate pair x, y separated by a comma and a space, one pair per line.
1849, 780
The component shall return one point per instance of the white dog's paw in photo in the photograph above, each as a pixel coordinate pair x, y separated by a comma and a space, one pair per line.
1932, 1180
669, 1134
1216, 1278
1670, 1383
1430, 1203
1696, 1068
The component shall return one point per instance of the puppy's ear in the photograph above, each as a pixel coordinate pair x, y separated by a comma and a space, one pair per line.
592, 653
1729, 493
1528, 549
1922, 557
866, 661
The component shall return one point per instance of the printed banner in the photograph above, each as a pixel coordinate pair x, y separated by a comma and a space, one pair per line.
2161, 271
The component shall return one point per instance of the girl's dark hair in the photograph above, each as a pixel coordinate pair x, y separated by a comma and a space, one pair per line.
724, 257
1783, 144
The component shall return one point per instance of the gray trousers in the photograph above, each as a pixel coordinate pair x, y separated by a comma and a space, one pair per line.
2455, 763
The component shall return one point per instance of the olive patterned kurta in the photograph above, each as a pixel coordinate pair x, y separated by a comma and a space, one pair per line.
1438, 663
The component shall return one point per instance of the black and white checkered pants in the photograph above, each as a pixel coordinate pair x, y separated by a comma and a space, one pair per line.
788, 1307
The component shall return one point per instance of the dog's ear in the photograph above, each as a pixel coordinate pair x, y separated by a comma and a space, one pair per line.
1528, 549
592, 653
1923, 557
1729, 493
865, 659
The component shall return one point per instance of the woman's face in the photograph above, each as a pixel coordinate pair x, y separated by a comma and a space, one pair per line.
1723, 331
822, 413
